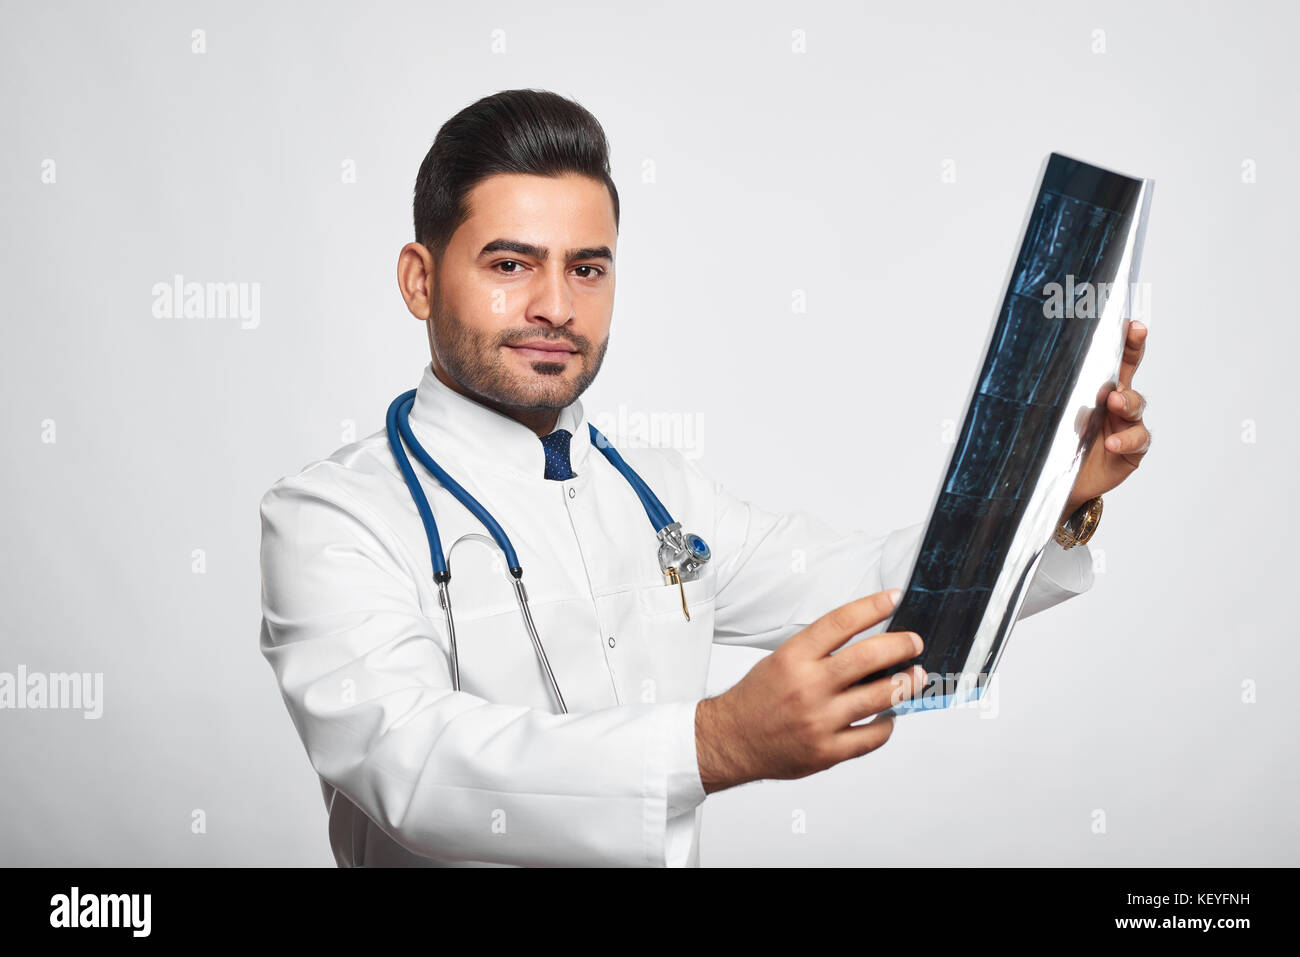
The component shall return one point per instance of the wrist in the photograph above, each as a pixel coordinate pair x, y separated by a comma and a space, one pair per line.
1072, 506
716, 746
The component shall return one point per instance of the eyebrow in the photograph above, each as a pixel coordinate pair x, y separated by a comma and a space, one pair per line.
542, 253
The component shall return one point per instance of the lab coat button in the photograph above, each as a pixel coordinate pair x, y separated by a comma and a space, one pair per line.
611, 641
572, 491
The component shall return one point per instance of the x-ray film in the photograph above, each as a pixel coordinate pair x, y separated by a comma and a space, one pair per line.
1037, 403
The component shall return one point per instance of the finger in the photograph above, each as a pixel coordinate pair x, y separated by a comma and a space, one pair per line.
855, 742
1127, 404
874, 654
840, 624
862, 701
1135, 347
1132, 441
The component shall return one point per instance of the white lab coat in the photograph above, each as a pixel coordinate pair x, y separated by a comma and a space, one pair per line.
415, 774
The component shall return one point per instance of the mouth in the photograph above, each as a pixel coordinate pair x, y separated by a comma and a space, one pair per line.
549, 351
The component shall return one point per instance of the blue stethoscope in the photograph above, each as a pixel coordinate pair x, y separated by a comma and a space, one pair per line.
681, 554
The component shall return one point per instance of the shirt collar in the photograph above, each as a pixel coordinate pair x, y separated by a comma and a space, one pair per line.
455, 428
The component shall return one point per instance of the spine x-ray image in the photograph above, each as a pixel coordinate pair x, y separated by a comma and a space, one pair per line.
1037, 403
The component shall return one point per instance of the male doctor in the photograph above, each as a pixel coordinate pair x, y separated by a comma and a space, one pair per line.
516, 218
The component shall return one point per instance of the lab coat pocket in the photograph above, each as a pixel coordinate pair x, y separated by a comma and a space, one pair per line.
669, 657
659, 599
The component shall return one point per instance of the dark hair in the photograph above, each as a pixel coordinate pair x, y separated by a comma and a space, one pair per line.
514, 131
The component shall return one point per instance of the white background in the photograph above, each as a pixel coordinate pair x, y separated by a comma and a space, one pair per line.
774, 171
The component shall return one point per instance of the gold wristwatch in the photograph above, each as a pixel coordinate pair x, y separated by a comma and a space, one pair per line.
1079, 527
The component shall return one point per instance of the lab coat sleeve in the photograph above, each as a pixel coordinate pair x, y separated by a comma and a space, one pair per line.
778, 573
449, 775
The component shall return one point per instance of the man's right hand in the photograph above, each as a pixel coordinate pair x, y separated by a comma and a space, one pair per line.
790, 716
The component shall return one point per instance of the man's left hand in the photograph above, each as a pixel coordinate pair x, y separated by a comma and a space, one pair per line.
1123, 441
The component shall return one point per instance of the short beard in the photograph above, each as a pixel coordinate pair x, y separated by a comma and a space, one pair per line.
476, 361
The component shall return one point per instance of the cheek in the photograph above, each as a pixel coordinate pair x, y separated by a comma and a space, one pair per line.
483, 312
600, 313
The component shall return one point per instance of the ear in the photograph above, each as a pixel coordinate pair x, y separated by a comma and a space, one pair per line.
415, 279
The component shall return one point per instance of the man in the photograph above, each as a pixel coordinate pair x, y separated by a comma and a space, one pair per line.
516, 222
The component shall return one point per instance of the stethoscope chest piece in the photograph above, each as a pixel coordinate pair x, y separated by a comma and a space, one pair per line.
684, 552
682, 557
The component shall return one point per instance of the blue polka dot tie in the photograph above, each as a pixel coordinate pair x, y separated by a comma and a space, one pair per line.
557, 454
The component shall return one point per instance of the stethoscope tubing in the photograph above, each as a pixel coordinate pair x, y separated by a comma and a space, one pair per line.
397, 422
402, 415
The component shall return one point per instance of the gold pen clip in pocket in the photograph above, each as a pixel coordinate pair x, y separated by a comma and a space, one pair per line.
674, 579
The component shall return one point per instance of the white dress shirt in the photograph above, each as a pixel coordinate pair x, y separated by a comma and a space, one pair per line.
416, 774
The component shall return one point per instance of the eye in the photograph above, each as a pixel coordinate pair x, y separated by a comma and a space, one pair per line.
599, 272
507, 262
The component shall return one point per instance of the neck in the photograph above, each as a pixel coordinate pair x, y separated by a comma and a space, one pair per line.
540, 421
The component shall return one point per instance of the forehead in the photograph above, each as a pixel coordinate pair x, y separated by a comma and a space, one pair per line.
571, 209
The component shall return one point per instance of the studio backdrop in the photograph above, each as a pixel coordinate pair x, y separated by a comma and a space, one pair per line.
820, 203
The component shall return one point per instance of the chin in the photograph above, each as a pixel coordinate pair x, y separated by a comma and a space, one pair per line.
542, 389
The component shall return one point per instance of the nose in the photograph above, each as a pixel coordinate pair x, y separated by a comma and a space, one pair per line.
552, 301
